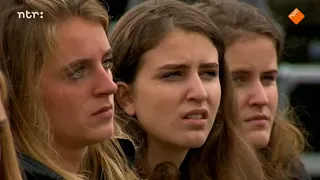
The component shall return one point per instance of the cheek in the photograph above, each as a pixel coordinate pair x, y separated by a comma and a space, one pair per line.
61, 103
53, 105
273, 98
241, 97
154, 103
215, 95
51, 99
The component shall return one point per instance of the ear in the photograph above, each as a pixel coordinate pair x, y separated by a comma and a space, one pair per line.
124, 98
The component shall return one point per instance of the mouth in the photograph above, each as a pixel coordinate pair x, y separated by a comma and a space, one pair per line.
104, 109
196, 117
196, 114
258, 118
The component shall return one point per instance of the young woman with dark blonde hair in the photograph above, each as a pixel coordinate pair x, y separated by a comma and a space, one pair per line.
253, 50
61, 90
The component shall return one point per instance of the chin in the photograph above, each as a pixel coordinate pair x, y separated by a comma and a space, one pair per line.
107, 132
196, 145
194, 140
101, 134
259, 139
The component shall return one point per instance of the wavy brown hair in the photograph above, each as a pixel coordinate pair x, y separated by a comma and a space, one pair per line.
225, 155
239, 20
27, 44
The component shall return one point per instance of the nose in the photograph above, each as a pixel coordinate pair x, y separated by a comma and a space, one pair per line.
104, 83
258, 95
197, 90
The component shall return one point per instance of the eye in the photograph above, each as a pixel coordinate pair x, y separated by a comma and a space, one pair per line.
268, 79
77, 73
210, 74
175, 75
239, 80
107, 64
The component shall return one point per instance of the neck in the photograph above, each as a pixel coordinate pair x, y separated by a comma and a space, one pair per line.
70, 158
159, 152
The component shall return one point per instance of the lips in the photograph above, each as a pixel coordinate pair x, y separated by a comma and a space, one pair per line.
102, 109
258, 117
196, 114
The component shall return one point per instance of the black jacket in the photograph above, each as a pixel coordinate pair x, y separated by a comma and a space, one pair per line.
298, 171
34, 170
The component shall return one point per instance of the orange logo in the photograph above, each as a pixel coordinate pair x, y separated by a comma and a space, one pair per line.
296, 16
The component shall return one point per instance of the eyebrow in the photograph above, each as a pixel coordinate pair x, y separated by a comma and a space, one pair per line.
240, 71
274, 71
243, 71
85, 61
185, 66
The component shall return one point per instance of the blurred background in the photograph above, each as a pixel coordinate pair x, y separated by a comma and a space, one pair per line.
299, 80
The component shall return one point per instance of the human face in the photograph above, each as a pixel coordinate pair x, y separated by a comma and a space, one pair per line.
77, 84
254, 69
177, 90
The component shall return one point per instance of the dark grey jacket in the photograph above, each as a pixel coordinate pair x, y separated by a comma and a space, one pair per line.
34, 170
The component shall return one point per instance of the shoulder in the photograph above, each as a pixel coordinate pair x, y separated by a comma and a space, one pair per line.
34, 170
298, 170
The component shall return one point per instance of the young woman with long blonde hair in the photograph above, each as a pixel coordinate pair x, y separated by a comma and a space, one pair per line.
57, 58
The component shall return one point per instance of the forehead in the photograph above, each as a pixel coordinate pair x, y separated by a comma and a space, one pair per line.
252, 53
182, 47
78, 37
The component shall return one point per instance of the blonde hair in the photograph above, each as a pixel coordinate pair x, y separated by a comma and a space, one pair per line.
28, 43
9, 163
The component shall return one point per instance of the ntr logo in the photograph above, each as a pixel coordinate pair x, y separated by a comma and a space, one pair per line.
29, 15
